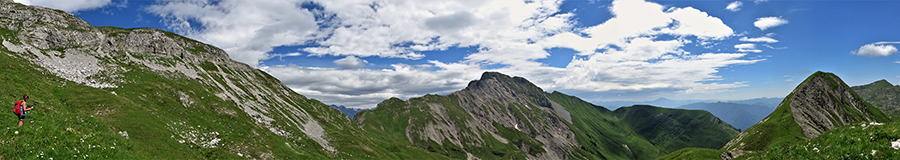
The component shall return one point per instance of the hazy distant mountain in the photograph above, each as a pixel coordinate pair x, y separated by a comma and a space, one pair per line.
768, 102
741, 116
348, 111
670, 103
661, 102
883, 95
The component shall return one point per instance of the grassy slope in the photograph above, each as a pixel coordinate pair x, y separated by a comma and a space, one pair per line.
694, 154
855, 141
602, 133
74, 120
673, 129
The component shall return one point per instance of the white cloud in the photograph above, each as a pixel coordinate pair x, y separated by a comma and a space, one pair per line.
759, 39
747, 47
759, 1
350, 62
247, 30
769, 22
626, 53
898, 62
67, 5
363, 88
734, 6
875, 49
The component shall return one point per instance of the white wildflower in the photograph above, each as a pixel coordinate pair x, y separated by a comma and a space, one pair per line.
17, 132
895, 145
816, 149
873, 152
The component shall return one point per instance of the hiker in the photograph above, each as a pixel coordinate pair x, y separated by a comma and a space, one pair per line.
20, 109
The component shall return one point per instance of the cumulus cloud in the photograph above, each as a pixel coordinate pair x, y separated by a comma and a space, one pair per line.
898, 62
625, 53
68, 5
747, 47
769, 22
364, 88
350, 62
759, 39
638, 50
734, 6
247, 30
876, 49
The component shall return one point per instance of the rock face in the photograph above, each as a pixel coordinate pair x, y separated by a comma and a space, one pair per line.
485, 108
825, 103
65, 46
499, 116
820, 103
883, 95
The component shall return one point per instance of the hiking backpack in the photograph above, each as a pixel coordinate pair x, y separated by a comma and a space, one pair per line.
19, 109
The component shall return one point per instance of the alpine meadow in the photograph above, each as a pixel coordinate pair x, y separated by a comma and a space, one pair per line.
455, 79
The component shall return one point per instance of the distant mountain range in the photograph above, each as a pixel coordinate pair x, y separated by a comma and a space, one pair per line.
670, 103
739, 115
348, 111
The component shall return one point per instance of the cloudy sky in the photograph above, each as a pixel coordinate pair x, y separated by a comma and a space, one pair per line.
359, 52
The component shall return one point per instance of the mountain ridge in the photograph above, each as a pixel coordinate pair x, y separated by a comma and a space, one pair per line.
145, 93
820, 103
499, 116
883, 95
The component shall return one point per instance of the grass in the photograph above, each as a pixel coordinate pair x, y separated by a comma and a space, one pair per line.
854, 141
694, 154
76, 121
635, 133
10, 35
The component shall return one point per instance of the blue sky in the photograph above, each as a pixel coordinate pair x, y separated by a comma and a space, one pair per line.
361, 52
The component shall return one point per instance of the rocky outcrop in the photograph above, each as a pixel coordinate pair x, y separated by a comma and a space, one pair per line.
820, 103
825, 103
485, 109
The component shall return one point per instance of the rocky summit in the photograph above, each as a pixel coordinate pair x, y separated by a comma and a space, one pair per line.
503, 117
820, 103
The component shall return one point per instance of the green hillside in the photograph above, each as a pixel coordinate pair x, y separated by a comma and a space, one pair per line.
141, 93
855, 141
883, 95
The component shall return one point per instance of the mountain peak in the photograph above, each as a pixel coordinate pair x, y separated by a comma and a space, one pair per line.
881, 83
820, 103
496, 79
